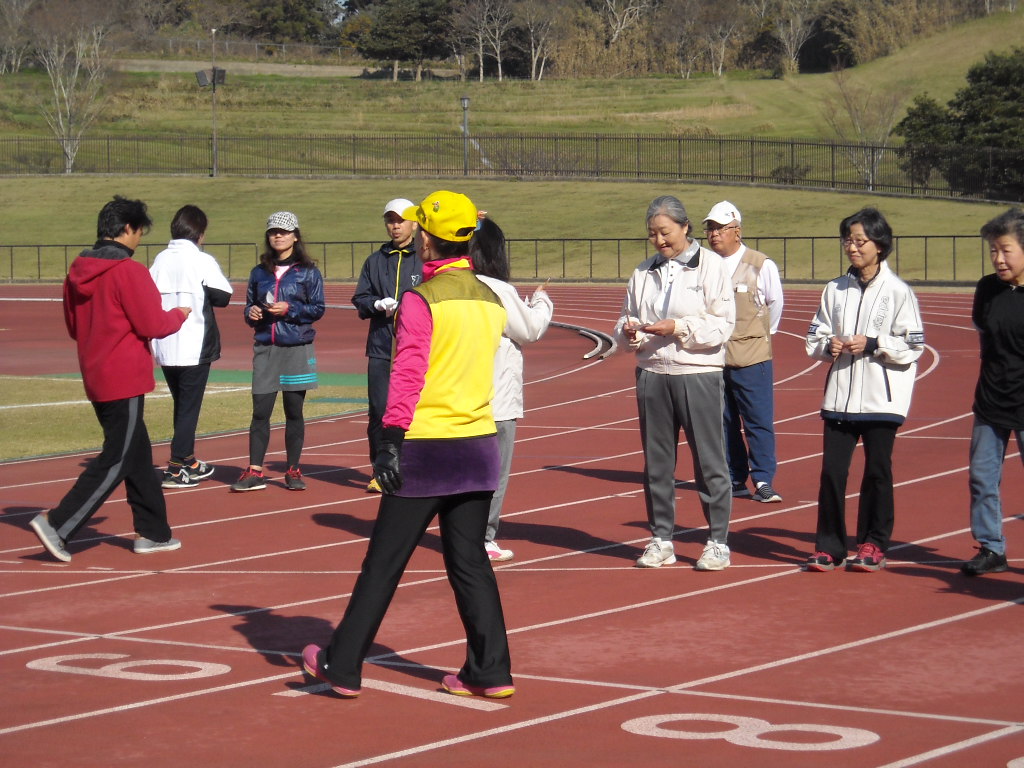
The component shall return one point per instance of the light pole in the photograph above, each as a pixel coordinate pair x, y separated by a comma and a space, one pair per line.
465, 135
215, 78
213, 93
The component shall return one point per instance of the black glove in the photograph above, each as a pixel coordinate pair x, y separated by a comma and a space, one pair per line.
386, 466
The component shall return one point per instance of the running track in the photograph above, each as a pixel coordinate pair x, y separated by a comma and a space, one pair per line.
190, 657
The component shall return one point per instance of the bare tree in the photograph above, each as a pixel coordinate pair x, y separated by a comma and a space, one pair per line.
69, 45
14, 33
470, 24
621, 15
498, 21
677, 28
863, 121
794, 24
537, 19
721, 23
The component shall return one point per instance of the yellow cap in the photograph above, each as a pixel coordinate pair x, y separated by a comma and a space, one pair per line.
445, 215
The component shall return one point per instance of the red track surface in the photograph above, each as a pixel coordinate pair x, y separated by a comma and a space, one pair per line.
190, 657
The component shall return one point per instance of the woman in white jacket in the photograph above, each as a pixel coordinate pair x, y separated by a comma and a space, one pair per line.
678, 314
526, 322
869, 328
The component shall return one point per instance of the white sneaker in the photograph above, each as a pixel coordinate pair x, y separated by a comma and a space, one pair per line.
714, 558
496, 553
657, 554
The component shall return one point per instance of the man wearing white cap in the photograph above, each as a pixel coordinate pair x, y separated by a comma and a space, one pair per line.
387, 273
749, 400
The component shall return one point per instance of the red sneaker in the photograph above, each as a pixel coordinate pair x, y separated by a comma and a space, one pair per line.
821, 561
311, 666
869, 558
452, 684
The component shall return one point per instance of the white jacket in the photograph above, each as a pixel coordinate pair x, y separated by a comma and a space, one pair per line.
526, 322
181, 271
877, 385
692, 289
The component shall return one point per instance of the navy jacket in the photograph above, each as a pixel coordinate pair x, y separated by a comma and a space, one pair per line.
302, 288
379, 278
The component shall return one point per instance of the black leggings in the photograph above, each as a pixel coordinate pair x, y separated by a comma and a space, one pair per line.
294, 426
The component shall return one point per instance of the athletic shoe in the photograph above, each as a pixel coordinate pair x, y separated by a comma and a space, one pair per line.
821, 561
144, 546
54, 544
869, 558
766, 494
657, 554
373, 486
496, 553
311, 666
740, 490
714, 558
178, 476
452, 684
986, 561
293, 480
251, 480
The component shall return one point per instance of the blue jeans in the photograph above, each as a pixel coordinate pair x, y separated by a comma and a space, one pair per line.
988, 449
749, 402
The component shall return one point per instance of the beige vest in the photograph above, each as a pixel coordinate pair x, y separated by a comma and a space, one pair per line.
751, 341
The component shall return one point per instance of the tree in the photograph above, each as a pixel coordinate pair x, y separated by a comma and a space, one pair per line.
498, 19
863, 121
677, 28
794, 23
927, 134
469, 25
981, 130
69, 45
537, 19
721, 22
621, 15
301, 21
14, 33
407, 30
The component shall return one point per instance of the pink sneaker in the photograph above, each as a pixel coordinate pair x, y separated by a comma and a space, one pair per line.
311, 667
452, 684
869, 558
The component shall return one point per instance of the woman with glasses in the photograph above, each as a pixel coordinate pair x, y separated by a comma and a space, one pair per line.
677, 317
869, 329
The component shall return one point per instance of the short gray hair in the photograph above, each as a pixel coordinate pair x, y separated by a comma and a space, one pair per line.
1010, 222
667, 205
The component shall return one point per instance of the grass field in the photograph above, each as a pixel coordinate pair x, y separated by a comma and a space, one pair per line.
51, 414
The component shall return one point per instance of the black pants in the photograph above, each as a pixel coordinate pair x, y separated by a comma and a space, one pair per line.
188, 385
378, 378
400, 525
294, 426
875, 510
126, 455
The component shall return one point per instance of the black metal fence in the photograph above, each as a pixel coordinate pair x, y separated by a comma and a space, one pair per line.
946, 260
939, 172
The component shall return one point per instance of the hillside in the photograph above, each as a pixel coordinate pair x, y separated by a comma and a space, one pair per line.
300, 102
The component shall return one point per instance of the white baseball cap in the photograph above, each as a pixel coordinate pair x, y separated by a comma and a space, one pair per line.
398, 205
724, 213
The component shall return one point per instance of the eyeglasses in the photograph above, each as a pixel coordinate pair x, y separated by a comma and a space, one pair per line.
720, 229
847, 242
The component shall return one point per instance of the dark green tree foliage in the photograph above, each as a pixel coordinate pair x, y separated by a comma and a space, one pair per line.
293, 21
977, 140
407, 30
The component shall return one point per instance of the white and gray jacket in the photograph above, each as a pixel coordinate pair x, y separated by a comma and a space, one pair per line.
526, 322
695, 292
876, 385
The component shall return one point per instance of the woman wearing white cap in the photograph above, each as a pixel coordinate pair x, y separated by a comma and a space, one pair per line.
284, 298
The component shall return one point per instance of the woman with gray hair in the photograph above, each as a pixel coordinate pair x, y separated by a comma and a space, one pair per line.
677, 316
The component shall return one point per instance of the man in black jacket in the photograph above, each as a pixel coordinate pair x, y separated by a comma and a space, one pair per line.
387, 273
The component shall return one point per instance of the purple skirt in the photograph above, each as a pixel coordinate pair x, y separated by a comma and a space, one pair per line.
449, 467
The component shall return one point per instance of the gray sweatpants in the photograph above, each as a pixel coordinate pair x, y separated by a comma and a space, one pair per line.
694, 403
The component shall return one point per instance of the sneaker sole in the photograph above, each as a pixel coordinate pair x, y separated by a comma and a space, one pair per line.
667, 561
250, 488
820, 568
982, 571
864, 567
769, 500
706, 567
177, 484
486, 693
500, 558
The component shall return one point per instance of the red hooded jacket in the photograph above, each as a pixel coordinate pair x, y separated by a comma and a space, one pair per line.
112, 309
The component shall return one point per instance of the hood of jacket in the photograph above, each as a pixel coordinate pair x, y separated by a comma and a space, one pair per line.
93, 264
